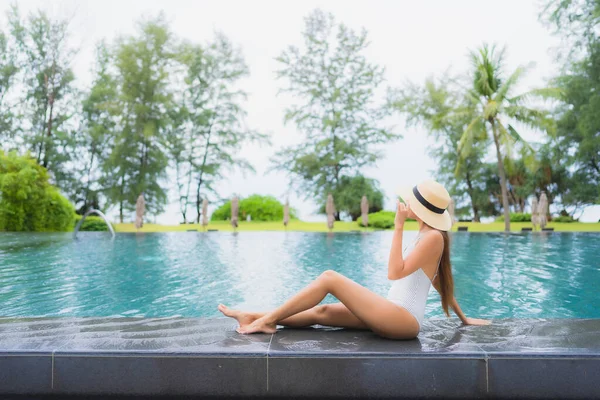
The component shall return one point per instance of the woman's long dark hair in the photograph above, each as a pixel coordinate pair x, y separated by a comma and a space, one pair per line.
445, 275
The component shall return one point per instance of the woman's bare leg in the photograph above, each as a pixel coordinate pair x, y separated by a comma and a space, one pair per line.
336, 315
376, 312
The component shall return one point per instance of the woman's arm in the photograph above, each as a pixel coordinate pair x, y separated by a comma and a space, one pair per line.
429, 246
396, 262
456, 308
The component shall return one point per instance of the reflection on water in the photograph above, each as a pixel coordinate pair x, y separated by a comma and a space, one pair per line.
188, 274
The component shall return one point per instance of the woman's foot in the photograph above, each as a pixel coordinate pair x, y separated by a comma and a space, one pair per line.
241, 317
261, 325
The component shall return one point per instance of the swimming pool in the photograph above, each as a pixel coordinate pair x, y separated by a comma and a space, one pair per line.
187, 274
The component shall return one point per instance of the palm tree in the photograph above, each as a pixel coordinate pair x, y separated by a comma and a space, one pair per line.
496, 104
445, 110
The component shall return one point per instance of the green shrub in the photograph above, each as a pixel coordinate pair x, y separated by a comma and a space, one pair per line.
59, 212
91, 224
564, 218
260, 208
381, 220
516, 217
27, 201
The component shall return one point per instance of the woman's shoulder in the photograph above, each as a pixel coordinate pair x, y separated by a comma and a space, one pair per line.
432, 239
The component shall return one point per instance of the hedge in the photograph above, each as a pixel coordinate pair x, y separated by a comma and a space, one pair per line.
91, 224
27, 200
260, 208
564, 218
516, 217
381, 220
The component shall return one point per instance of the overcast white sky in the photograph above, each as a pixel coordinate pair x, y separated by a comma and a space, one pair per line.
411, 39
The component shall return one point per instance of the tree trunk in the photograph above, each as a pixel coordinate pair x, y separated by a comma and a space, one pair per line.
121, 200
502, 179
189, 181
206, 149
87, 186
198, 202
183, 200
522, 206
51, 102
476, 217
472, 197
49, 134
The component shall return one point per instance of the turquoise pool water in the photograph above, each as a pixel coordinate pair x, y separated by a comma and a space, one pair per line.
187, 274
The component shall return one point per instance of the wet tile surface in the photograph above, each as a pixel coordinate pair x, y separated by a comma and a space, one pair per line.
326, 342
162, 335
218, 337
177, 356
538, 337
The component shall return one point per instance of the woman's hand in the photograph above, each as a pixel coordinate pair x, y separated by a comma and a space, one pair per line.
401, 214
476, 321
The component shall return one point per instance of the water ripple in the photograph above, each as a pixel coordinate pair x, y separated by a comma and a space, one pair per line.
188, 274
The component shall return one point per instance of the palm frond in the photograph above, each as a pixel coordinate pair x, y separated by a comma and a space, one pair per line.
487, 66
551, 93
462, 113
509, 137
517, 137
459, 164
506, 140
532, 118
508, 84
467, 138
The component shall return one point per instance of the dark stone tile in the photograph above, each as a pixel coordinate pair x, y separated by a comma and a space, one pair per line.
544, 378
539, 337
375, 377
185, 335
25, 373
327, 342
160, 375
448, 335
500, 328
565, 327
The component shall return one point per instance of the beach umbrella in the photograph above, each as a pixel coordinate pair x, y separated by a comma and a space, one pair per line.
140, 208
286, 213
235, 209
204, 213
535, 219
330, 210
364, 210
451, 211
543, 210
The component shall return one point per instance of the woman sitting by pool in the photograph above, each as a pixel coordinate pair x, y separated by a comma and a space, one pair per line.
399, 316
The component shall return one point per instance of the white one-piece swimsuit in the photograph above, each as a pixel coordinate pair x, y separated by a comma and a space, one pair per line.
411, 291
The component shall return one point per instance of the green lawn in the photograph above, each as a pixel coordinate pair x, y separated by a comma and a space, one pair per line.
350, 226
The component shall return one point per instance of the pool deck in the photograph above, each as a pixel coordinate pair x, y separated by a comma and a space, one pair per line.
512, 358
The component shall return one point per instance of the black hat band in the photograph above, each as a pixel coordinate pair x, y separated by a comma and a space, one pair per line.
427, 204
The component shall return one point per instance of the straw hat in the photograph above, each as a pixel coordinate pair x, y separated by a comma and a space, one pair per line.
429, 201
